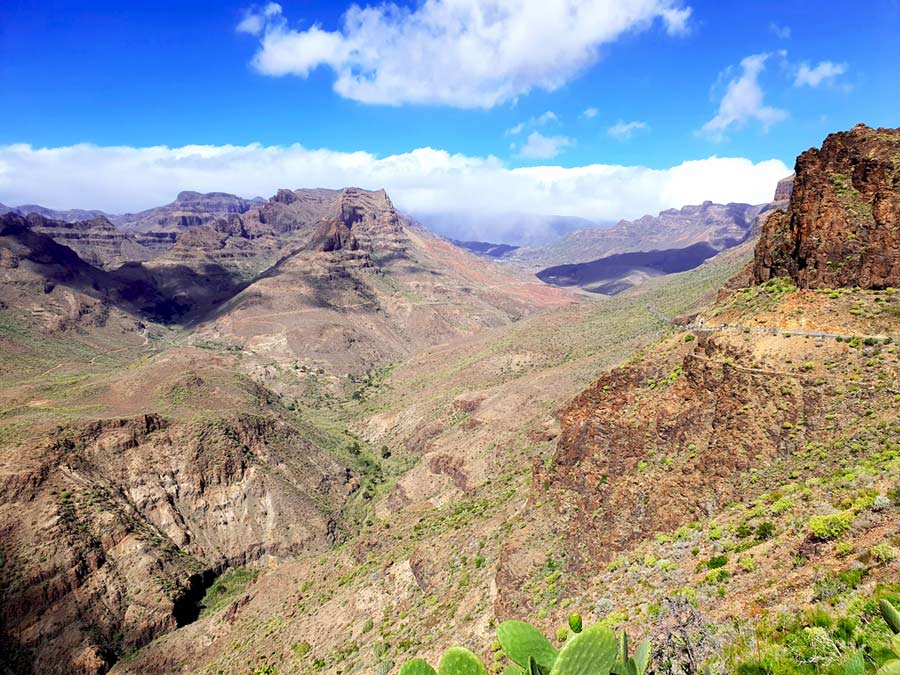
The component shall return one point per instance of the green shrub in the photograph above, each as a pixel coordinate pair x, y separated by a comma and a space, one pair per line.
765, 530
883, 553
826, 528
716, 562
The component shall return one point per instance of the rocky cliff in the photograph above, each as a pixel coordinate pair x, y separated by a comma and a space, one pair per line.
131, 518
719, 414
842, 226
96, 241
35, 264
190, 209
362, 219
68, 215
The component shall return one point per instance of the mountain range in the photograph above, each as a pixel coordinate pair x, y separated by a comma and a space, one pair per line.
595, 258
306, 434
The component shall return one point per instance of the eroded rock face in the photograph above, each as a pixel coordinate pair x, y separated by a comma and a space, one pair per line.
96, 241
784, 189
703, 424
842, 227
128, 517
363, 219
190, 209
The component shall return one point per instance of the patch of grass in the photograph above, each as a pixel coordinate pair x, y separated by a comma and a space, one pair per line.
226, 589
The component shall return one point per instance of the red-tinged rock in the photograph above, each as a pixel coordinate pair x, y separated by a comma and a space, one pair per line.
842, 228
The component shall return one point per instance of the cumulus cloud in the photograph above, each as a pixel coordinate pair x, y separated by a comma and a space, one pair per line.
590, 113
823, 72
425, 180
744, 100
624, 130
463, 53
539, 146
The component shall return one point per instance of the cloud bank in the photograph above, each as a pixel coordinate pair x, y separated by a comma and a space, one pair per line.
463, 53
426, 180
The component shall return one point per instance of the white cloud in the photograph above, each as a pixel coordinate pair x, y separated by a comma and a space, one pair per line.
779, 31
254, 21
424, 180
744, 101
548, 116
463, 53
590, 113
532, 122
625, 130
823, 72
539, 146
676, 20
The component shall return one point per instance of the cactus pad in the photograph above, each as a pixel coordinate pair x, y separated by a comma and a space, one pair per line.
890, 615
513, 670
591, 652
460, 661
416, 667
521, 640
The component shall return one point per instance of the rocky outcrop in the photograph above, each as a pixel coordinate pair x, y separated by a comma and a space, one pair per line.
842, 227
35, 264
190, 209
688, 436
67, 215
362, 219
297, 211
784, 189
96, 241
129, 519
333, 235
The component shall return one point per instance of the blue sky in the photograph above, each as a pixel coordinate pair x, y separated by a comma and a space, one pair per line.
653, 85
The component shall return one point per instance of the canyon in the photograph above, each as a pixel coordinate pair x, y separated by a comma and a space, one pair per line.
306, 434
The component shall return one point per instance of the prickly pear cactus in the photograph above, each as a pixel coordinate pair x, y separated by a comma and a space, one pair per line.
641, 658
416, 667
460, 661
591, 652
521, 641
513, 670
890, 615
855, 665
892, 618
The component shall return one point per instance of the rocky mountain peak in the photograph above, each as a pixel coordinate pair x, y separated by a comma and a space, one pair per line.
362, 219
284, 196
842, 226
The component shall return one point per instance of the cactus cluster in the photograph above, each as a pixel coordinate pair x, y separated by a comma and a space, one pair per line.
856, 664
586, 651
892, 618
